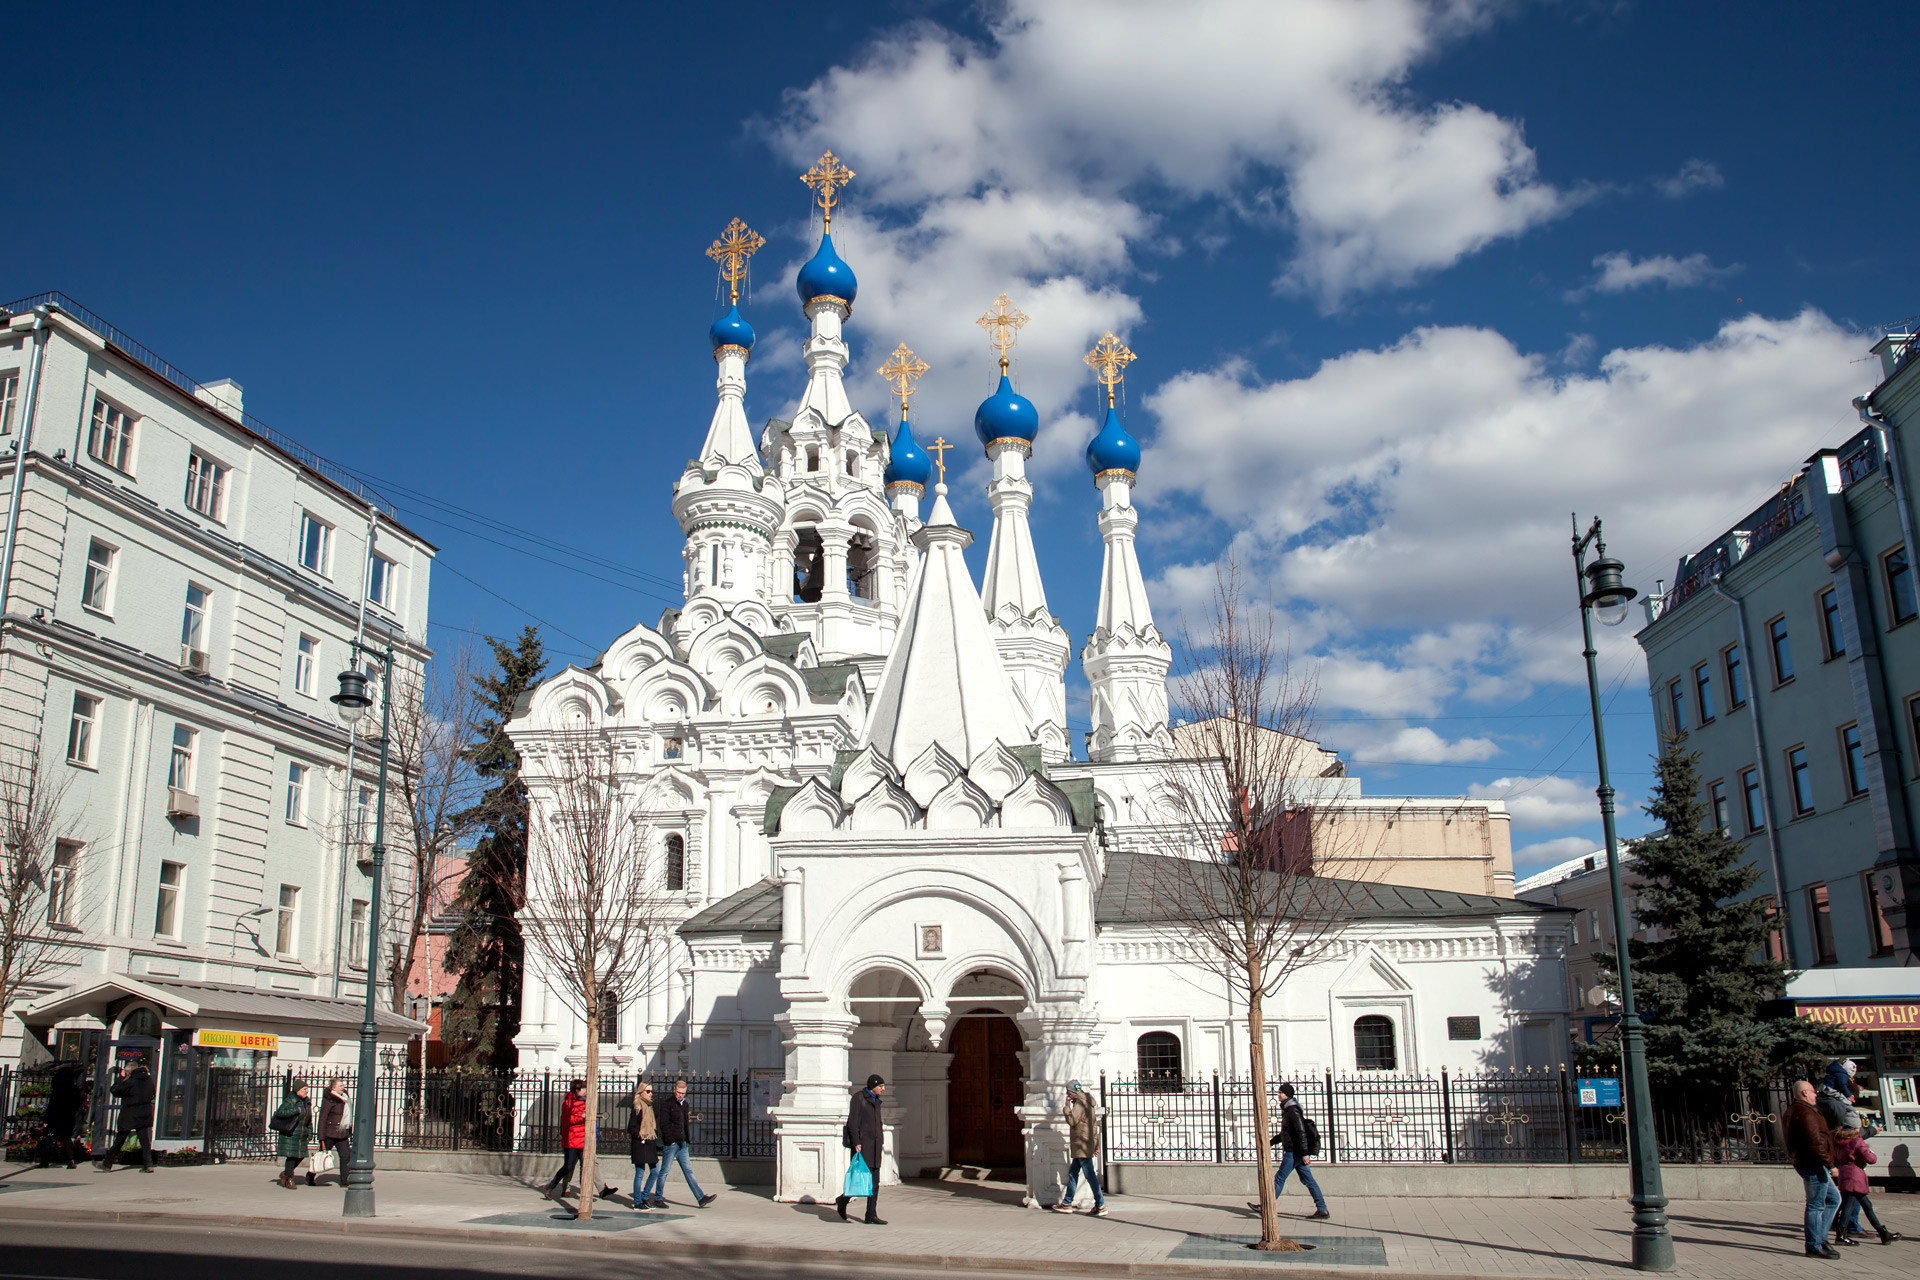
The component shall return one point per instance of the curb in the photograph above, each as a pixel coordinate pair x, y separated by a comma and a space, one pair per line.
862, 1259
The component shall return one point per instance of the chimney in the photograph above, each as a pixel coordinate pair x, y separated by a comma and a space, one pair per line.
223, 394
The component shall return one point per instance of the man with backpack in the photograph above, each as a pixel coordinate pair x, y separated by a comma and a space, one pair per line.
1299, 1142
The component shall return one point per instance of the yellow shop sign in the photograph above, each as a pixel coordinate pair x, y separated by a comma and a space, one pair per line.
207, 1038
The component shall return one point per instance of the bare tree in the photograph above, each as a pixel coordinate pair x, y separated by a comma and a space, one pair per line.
1247, 872
44, 902
598, 912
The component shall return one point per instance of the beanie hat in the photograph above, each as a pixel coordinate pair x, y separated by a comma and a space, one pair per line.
873, 1080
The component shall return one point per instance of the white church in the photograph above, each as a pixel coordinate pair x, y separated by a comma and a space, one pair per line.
891, 856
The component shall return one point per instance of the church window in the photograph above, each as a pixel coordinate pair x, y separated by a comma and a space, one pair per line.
813, 458
1373, 1047
609, 1016
809, 567
862, 566
676, 862
853, 463
1157, 1055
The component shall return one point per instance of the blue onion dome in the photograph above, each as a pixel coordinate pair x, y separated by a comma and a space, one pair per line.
1006, 415
826, 275
907, 462
731, 331
1111, 448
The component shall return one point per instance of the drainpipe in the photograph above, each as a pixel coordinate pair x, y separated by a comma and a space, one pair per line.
1896, 469
353, 741
21, 443
1760, 770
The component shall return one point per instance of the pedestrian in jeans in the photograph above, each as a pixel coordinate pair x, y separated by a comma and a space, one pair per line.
1810, 1146
1083, 1146
573, 1120
134, 1088
643, 1146
1851, 1156
676, 1130
1295, 1153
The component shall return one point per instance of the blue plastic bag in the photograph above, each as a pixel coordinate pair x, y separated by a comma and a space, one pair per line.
859, 1178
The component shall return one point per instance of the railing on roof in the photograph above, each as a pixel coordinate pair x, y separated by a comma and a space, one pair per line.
1862, 462
1788, 509
152, 363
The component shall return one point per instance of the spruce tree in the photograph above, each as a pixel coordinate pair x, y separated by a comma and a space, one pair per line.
482, 1015
1700, 982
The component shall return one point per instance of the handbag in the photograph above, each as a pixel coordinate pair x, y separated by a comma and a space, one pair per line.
324, 1161
859, 1179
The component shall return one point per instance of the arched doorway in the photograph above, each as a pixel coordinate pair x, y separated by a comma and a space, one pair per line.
984, 1085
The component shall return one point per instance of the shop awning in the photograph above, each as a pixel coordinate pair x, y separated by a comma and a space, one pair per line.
217, 1004
1863, 1015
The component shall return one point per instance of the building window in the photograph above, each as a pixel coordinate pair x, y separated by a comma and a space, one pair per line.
110, 437
1677, 700
1776, 943
63, 886
306, 663
357, 934
1782, 652
676, 862
1722, 812
362, 815
1879, 932
166, 907
1852, 752
9, 395
1156, 1055
813, 458
1750, 792
1703, 690
316, 544
193, 627
1830, 629
1373, 1048
853, 463
1736, 677
1820, 915
286, 921
297, 794
609, 1017
80, 732
1801, 779
96, 591
1900, 602
206, 486
180, 766
380, 571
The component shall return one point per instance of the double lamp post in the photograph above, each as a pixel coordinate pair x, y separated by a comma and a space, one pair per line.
1604, 594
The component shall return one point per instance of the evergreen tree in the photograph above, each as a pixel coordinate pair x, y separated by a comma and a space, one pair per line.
482, 1015
1700, 983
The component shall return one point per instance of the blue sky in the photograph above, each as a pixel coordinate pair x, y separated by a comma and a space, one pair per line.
1408, 283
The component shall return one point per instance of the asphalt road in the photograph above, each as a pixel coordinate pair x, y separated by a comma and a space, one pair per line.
143, 1252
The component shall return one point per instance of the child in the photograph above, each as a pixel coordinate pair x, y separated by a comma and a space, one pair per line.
1851, 1158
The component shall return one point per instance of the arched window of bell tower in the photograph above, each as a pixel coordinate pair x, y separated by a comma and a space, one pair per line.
809, 566
863, 566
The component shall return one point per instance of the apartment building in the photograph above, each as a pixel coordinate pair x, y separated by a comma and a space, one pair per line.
180, 586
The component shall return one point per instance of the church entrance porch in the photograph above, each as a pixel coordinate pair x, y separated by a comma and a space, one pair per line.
984, 1086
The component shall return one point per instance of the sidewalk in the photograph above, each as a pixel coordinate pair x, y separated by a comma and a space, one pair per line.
983, 1226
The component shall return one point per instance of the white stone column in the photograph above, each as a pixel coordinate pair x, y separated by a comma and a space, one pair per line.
810, 1164
1059, 1049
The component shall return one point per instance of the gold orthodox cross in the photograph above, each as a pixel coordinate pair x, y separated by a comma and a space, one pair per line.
1002, 322
736, 244
1109, 359
826, 178
939, 449
902, 371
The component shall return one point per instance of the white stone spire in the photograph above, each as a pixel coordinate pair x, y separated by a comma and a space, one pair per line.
943, 682
729, 438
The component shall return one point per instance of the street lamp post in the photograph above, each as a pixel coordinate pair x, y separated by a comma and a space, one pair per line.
353, 703
1602, 592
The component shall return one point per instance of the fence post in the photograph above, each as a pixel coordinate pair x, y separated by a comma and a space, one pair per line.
1332, 1134
1446, 1112
733, 1118
1219, 1147
1567, 1118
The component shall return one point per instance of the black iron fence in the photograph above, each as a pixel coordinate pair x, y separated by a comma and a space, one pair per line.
1519, 1117
24, 1092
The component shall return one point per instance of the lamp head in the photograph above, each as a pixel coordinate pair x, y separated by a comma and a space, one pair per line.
1607, 595
352, 699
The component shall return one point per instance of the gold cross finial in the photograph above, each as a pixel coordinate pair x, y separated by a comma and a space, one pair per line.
826, 178
736, 244
939, 449
902, 372
1002, 322
1109, 359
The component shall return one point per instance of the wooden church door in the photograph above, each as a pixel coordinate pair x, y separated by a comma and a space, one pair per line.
984, 1086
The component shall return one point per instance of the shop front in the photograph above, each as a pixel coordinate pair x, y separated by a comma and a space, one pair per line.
1880, 1009
191, 1035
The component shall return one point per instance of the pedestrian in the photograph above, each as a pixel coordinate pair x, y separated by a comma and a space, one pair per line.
66, 1098
1836, 1095
292, 1124
573, 1125
335, 1130
865, 1136
1810, 1147
1851, 1156
134, 1088
643, 1146
1083, 1145
1299, 1143
676, 1132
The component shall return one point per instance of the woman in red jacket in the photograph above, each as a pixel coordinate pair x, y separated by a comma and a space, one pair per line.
1851, 1157
573, 1119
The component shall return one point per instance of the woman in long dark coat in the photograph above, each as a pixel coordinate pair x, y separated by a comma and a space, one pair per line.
293, 1144
867, 1135
65, 1101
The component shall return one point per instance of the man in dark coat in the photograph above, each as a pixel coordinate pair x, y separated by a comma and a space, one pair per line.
65, 1101
134, 1088
866, 1135
1810, 1147
675, 1121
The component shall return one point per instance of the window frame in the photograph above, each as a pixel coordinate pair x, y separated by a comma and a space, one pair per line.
1677, 705
63, 882
1734, 663
1168, 1072
1719, 807
199, 465
180, 759
169, 900
116, 437
306, 665
1754, 798
323, 547
609, 1028
1779, 644
9, 399
98, 579
286, 921
195, 619
1853, 760
357, 933
674, 862
1774, 945
1392, 1063
1879, 932
1833, 638
83, 729
386, 578
1703, 691
1799, 771
1820, 925
1888, 578
296, 809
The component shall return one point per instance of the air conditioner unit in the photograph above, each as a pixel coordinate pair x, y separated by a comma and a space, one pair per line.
193, 660
182, 804
363, 855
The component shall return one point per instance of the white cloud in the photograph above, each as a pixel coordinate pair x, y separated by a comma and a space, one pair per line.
1538, 857
1695, 175
1541, 803
1415, 744
1620, 272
